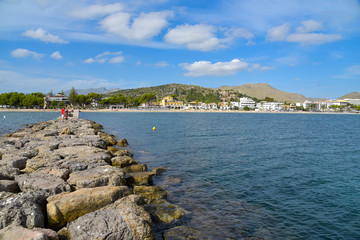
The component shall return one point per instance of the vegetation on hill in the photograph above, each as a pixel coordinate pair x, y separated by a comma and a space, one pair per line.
180, 90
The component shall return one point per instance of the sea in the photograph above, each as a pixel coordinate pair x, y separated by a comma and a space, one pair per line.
245, 175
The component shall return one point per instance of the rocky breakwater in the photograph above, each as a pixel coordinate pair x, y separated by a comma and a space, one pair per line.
70, 180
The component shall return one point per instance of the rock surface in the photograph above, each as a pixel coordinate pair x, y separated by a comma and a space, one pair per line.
124, 219
95, 177
15, 232
165, 212
41, 181
71, 174
25, 209
9, 186
66, 207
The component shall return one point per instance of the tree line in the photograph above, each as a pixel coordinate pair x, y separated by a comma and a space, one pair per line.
15, 99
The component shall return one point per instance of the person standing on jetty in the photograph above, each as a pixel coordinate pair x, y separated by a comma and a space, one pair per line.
62, 113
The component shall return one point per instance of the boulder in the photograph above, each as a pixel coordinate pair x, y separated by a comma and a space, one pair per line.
14, 161
158, 171
122, 142
139, 178
18, 232
66, 207
9, 186
150, 193
95, 177
124, 219
76, 158
123, 153
164, 212
122, 161
87, 140
58, 172
183, 233
43, 159
25, 209
108, 139
135, 168
8, 173
41, 181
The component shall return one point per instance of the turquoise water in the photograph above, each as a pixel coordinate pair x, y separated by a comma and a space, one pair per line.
272, 176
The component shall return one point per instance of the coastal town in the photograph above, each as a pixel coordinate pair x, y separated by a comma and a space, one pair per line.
219, 100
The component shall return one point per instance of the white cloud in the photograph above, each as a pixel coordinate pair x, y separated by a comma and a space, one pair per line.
117, 59
206, 68
102, 58
197, 37
235, 33
56, 55
90, 60
303, 35
146, 26
278, 33
309, 26
97, 10
23, 53
203, 37
257, 66
43, 36
313, 38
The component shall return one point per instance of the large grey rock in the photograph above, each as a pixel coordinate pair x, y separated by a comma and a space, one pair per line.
139, 178
87, 140
8, 173
9, 186
56, 171
150, 193
122, 161
164, 212
43, 159
41, 181
25, 209
66, 207
95, 177
76, 158
14, 160
124, 219
15, 232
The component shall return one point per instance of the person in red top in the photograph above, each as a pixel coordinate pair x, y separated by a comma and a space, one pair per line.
62, 113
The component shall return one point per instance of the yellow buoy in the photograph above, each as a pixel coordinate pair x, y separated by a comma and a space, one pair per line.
154, 128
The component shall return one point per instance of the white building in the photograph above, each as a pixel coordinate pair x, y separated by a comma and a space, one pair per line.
269, 106
353, 101
307, 104
246, 102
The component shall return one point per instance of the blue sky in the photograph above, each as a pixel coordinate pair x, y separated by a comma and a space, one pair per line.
301, 46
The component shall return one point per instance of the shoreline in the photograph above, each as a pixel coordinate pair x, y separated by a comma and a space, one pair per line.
173, 111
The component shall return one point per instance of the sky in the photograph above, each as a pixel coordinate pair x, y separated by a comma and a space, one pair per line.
310, 47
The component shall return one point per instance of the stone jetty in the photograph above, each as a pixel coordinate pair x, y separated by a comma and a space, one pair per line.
70, 180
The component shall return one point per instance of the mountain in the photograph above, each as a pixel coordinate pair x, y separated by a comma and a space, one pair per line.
94, 90
353, 95
262, 90
164, 90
